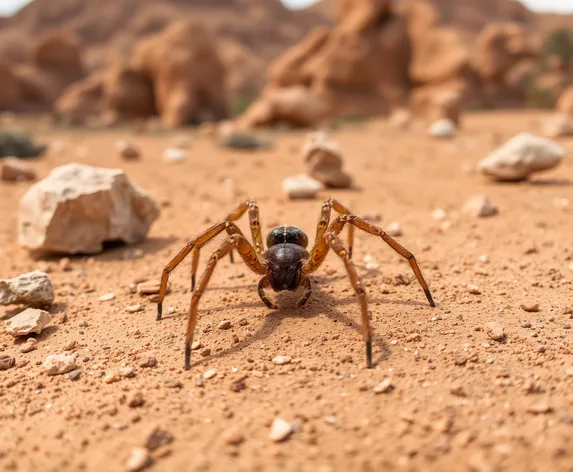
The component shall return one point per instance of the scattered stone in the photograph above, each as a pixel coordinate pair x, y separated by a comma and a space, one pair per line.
172, 383
110, 377
127, 150
107, 297
135, 399
6, 362
480, 206
413, 337
225, 324
280, 430
394, 229
77, 208
32, 289
473, 289
520, 157
139, 459
127, 372
301, 186
384, 387
75, 375
58, 364
439, 214
281, 360
158, 437
72, 343
28, 321
530, 308
196, 345
494, 331
443, 128
233, 436
174, 155
28, 346
323, 159
206, 352
539, 408
210, 374
149, 288
16, 170
243, 141
133, 308
458, 391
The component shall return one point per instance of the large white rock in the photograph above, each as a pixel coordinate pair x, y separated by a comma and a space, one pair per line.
77, 208
31, 289
520, 157
58, 364
29, 321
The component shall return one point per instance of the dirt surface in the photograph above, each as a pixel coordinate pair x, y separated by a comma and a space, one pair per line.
461, 401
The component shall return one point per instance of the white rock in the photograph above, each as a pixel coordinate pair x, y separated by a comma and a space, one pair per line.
139, 459
77, 208
29, 321
280, 430
439, 214
16, 170
521, 156
394, 229
127, 150
209, 374
57, 364
31, 289
557, 126
443, 129
173, 154
281, 360
301, 186
480, 206
383, 387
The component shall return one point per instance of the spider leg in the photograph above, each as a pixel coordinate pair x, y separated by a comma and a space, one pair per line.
194, 245
307, 293
265, 284
324, 220
246, 251
338, 224
337, 246
254, 224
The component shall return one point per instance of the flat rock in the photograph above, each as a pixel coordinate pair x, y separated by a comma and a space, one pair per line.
480, 206
16, 170
442, 129
520, 157
58, 364
77, 208
29, 321
323, 159
301, 186
32, 289
280, 430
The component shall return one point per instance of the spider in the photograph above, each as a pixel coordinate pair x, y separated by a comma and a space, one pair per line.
286, 264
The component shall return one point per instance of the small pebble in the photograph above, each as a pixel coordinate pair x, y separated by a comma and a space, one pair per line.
107, 297
280, 430
173, 384
210, 374
233, 436
7, 362
531, 308
281, 360
75, 374
225, 324
28, 346
150, 287
135, 399
473, 289
158, 437
127, 372
539, 408
133, 308
139, 459
394, 229
383, 387
495, 331
148, 360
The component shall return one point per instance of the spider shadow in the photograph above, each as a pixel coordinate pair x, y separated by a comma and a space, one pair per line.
321, 304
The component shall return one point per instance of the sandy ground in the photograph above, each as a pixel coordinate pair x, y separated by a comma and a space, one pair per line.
460, 401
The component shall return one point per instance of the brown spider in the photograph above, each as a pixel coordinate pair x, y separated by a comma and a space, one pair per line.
286, 264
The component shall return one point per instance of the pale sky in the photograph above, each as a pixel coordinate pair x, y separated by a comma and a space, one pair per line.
9, 6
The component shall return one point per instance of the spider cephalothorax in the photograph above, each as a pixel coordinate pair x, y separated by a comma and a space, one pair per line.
286, 264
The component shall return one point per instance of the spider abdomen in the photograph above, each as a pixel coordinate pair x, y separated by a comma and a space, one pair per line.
284, 263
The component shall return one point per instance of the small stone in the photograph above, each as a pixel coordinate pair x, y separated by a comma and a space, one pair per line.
32, 289
233, 436
7, 362
458, 391
530, 308
461, 359
134, 308
75, 375
439, 214
196, 345
28, 346
301, 186
135, 399
150, 287
281, 360
394, 229
323, 159
174, 155
443, 128
107, 297
480, 206
139, 459
539, 408
16, 170
495, 331
57, 364
206, 352
28, 321
383, 387
65, 264
83, 324
147, 360
473, 289
127, 372
225, 324
110, 377
127, 150
413, 337
172, 383
280, 430
210, 374
158, 437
